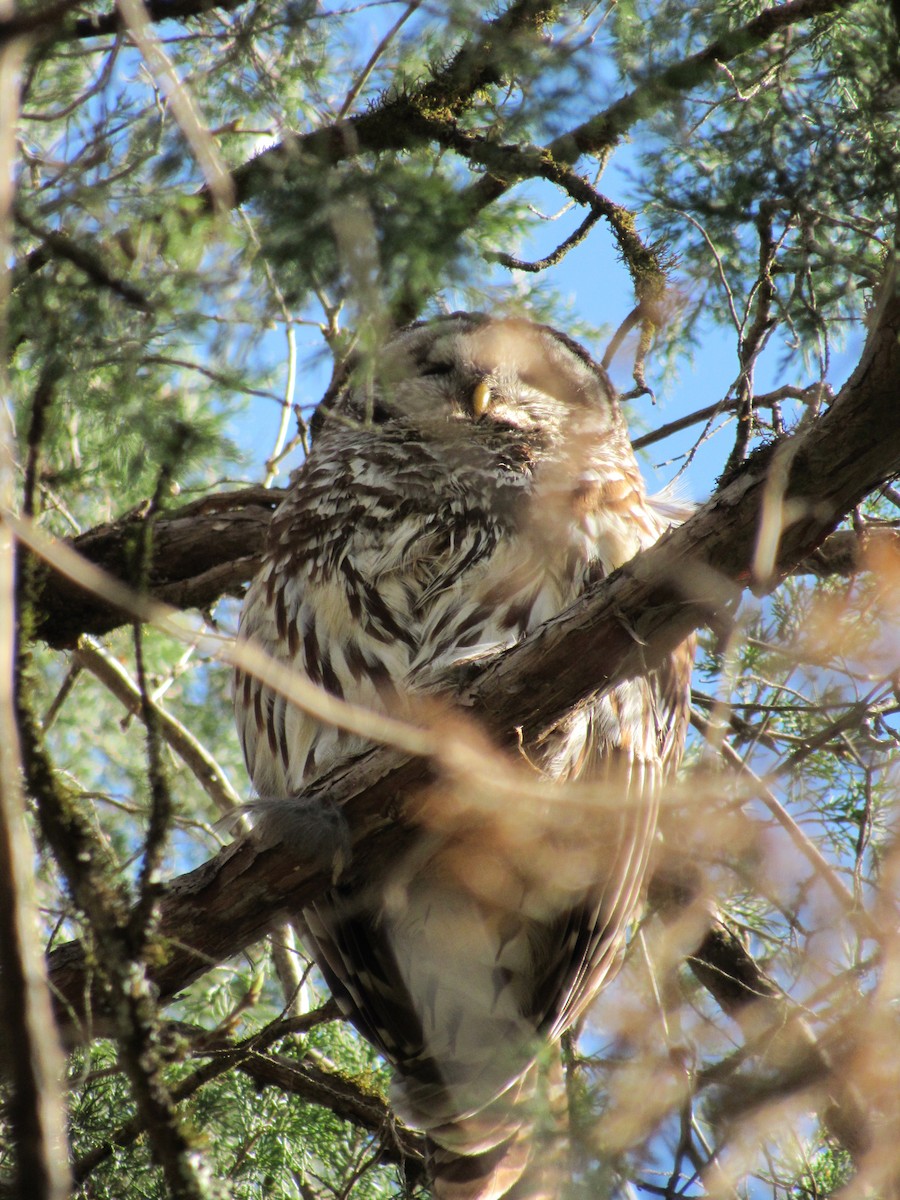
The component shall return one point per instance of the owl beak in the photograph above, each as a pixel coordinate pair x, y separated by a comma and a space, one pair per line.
481, 399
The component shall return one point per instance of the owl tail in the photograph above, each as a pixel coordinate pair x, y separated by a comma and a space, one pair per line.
506, 1151
496, 1174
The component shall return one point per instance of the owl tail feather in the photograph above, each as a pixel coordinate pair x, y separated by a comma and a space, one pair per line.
505, 1151
496, 1174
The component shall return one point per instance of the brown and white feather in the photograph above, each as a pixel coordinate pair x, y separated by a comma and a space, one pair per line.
444, 512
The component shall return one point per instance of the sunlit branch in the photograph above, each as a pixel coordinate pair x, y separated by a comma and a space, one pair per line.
765, 400
622, 626
202, 765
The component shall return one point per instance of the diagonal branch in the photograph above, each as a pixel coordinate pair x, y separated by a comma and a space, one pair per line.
58, 21
605, 130
202, 551
212, 546
407, 118
623, 626
401, 121
429, 113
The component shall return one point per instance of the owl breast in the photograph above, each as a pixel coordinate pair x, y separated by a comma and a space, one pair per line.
384, 568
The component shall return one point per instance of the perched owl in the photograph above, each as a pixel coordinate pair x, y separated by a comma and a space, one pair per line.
464, 491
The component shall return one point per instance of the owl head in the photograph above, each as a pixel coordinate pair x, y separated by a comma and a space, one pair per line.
489, 381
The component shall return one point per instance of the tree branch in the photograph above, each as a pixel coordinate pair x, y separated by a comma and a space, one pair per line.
604, 131
200, 552
622, 627
555, 256
211, 547
297, 1075
194, 754
813, 394
54, 22
429, 113
408, 118
56, 244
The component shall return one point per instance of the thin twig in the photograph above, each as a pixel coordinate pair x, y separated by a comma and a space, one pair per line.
809, 851
554, 257
367, 70
114, 677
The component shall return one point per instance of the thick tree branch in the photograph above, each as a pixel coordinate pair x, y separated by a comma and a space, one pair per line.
429, 114
200, 552
622, 627
604, 131
408, 118
401, 121
57, 21
211, 547
296, 1075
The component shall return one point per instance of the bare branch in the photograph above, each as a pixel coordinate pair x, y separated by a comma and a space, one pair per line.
767, 400
606, 130
58, 245
207, 771
53, 22
550, 260
410, 117
200, 552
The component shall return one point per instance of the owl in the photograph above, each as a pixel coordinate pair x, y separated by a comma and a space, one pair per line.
466, 487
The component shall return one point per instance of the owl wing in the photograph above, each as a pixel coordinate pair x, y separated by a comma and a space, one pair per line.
628, 742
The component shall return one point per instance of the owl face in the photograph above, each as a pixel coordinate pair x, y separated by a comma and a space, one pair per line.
490, 382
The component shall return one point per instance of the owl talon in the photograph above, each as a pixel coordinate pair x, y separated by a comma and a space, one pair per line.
314, 832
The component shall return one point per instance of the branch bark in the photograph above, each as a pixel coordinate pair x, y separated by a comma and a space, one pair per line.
414, 117
779, 506
407, 118
211, 547
200, 552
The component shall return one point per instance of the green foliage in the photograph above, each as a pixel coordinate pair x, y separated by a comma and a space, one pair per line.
790, 139
831, 1170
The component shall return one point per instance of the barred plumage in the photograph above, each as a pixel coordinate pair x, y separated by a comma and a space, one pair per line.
445, 511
